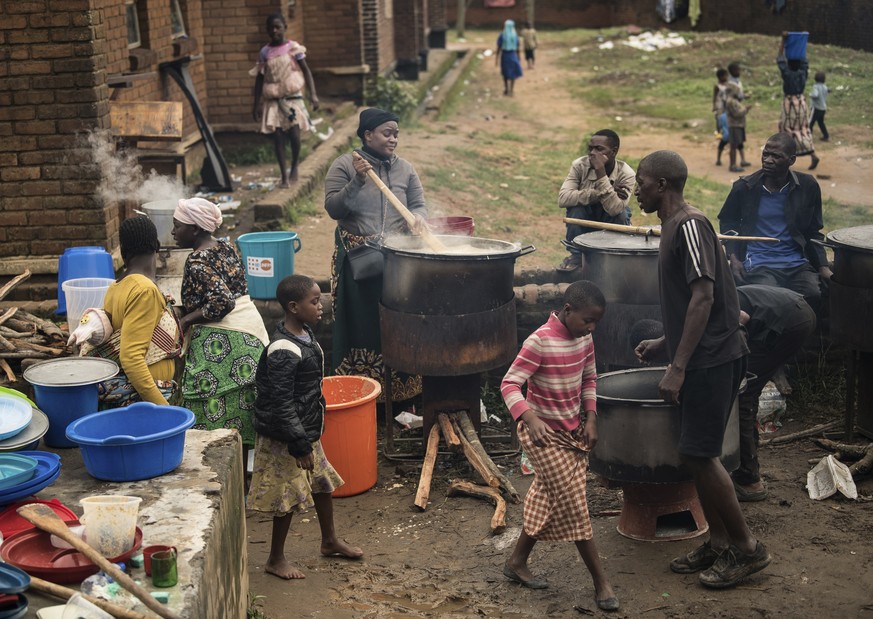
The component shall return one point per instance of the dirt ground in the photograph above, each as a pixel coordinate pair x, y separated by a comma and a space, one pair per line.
443, 562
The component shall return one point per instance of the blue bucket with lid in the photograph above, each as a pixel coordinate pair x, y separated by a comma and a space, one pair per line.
268, 258
78, 262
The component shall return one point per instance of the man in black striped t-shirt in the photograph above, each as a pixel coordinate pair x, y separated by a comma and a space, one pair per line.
707, 352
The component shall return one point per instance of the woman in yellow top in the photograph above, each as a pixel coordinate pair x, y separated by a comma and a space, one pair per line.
146, 333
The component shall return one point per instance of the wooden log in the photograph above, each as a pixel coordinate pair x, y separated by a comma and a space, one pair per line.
845, 450
448, 431
27, 345
64, 593
7, 369
6, 344
470, 433
46, 326
22, 326
8, 314
433, 442
864, 465
11, 284
498, 520
815, 430
473, 458
23, 354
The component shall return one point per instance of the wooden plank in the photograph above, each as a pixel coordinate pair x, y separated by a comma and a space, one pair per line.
147, 120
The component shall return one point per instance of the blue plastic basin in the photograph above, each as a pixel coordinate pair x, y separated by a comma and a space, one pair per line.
140, 441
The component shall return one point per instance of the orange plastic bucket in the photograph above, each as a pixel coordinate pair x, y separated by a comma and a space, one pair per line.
349, 438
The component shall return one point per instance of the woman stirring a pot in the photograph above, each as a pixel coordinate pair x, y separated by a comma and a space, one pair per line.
363, 213
224, 333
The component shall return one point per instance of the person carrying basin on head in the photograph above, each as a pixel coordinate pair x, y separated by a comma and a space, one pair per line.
597, 188
794, 118
224, 333
363, 213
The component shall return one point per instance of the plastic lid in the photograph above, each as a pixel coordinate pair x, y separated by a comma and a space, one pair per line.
70, 372
605, 240
859, 237
12, 579
34, 431
11, 523
15, 414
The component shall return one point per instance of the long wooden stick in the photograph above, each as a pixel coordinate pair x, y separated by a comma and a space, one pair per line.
7, 369
433, 442
11, 284
448, 431
498, 520
470, 433
430, 240
46, 326
64, 593
8, 314
474, 459
814, 431
47, 520
602, 225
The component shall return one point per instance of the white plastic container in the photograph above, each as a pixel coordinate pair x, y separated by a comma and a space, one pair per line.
161, 214
110, 523
83, 293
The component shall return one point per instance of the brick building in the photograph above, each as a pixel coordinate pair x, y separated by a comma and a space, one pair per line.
64, 64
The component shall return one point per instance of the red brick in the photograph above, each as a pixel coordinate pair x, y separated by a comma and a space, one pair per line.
13, 219
51, 142
19, 54
51, 20
14, 83
9, 175
72, 34
13, 22
55, 82
19, 7
35, 127
17, 113
80, 187
34, 97
62, 50
40, 188
8, 159
69, 6
18, 143
68, 202
19, 203
47, 248
85, 217
67, 172
47, 112
73, 125
15, 249
23, 37
22, 233
47, 218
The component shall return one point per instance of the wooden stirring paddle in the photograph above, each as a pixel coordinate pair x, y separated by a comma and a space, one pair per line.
602, 225
43, 517
65, 593
432, 242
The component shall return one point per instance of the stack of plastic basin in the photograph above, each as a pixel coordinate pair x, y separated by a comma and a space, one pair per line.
76, 262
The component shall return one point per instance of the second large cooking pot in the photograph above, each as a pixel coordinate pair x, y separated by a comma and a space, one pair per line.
638, 432
624, 266
853, 255
473, 275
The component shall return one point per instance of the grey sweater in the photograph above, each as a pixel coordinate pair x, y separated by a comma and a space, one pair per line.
359, 207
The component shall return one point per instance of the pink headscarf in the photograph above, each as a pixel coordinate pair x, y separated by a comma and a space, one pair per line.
199, 212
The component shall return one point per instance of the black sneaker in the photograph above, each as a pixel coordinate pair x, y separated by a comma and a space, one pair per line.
700, 558
733, 565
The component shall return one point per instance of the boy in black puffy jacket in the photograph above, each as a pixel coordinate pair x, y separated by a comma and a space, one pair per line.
291, 472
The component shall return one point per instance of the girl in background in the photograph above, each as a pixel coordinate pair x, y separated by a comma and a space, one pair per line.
507, 54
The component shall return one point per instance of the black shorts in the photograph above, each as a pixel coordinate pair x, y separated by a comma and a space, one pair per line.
705, 402
528, 54
737, 136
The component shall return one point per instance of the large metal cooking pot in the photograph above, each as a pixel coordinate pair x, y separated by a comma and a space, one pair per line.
638, 432
853, 255
624, 266
473, 275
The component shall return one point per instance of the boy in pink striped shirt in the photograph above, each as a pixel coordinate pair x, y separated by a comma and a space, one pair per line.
557, 363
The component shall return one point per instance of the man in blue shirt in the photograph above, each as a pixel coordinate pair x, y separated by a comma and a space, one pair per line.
781, 203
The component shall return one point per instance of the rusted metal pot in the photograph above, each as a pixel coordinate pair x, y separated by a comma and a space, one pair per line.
853, 255
638, 432
624, 266
459, 281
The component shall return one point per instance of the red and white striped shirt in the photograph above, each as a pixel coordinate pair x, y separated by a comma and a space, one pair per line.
560, 374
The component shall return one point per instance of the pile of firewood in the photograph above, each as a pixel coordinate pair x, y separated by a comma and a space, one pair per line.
24, 337
847, 452
459, 435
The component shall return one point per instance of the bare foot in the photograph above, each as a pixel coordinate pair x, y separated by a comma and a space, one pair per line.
284, 184
339, 548
284, 570
293, 175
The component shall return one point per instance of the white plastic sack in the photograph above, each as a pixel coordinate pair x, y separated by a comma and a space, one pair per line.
771, 404
829, 476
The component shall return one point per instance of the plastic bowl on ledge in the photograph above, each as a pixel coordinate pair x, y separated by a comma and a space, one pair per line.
140, 441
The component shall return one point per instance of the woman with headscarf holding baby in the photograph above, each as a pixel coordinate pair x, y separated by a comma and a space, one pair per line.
224, 333
507, 54
363, 213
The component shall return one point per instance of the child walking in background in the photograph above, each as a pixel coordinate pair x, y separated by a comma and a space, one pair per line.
819, 96
281, 77
291, 472
736, 122
719, 110
557, 363
529, 39
508, 44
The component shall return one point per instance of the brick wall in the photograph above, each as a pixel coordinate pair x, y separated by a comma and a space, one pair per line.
845, 23
52, 86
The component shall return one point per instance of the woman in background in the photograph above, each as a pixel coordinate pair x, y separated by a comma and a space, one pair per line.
795, 113
507, 54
